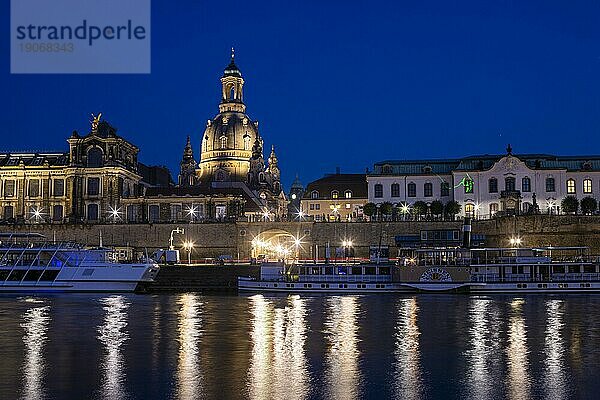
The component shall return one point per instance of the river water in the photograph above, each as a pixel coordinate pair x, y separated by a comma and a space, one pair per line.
190, 346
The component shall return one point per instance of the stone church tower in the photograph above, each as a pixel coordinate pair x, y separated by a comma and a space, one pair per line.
187, 166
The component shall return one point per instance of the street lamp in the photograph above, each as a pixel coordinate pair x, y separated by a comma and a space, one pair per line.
188, 246
176, 230
515, 241
347, 245
405, 210
114, 213
37, 214
192, 211
266, 215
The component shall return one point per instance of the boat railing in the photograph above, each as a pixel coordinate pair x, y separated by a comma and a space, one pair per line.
342, 278
579, 276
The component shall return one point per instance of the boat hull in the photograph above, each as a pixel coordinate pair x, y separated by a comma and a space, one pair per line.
79, 287
249, 285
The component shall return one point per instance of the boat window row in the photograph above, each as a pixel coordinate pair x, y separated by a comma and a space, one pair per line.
330, 286
28, 275
344, 270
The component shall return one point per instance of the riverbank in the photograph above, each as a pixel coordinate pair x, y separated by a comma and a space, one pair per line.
212, 240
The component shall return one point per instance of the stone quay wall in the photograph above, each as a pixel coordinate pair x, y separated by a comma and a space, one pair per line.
234, 239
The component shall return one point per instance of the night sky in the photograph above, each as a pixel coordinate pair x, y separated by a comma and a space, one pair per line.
339, 83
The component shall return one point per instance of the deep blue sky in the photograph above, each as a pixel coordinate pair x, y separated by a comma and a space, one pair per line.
339, 83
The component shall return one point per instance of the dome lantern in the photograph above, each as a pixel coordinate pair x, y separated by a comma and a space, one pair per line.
232, 98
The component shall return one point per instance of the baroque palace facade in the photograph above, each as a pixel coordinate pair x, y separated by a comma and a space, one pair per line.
87, 183
489, 184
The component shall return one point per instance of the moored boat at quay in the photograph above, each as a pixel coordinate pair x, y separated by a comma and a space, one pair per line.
30, 263
482, 270
460, 269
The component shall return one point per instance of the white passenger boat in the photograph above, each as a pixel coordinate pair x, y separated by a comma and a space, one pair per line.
347, 277
443, 269
500, 270
31, 263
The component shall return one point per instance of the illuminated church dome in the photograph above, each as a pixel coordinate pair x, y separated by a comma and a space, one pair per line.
228, 139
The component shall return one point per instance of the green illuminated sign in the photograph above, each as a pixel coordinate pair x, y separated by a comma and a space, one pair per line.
467, 182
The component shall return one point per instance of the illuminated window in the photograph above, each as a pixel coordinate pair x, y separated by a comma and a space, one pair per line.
348, 206
445, 189
571, 186
317, 206
223, 142
587, 186
335, 194
246, 142
428, 189
411, 189
470, 210
550, 185
378, 190
314, 194
493, 185
348, 194
526, 184
493, 209
395, 190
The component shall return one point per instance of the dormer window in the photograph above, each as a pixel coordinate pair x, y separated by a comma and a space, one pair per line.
94, 157
314, 194
335, 194
387, 169
348, 194
427, 169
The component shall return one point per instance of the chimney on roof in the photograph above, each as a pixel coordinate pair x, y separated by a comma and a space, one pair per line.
337, 170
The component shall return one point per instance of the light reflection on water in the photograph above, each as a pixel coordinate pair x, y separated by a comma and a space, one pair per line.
298, 347
189, 328
112, 334
554, 352
342, 375
278, 367
519, 384
483, 353
35, 325
407, 369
